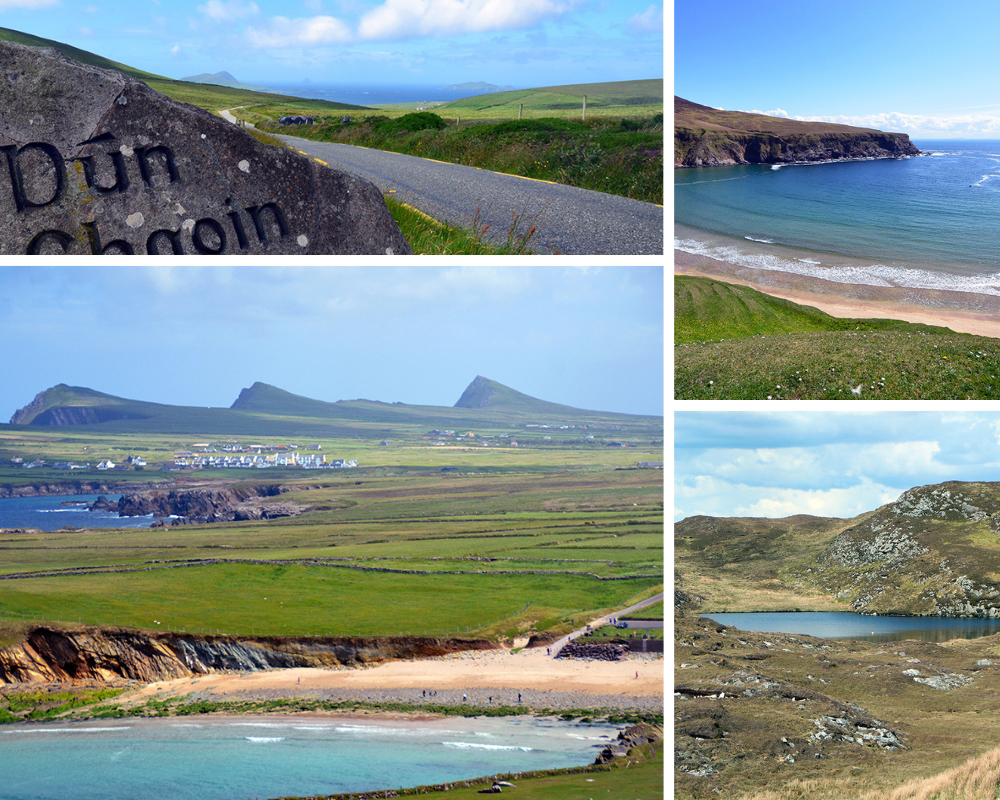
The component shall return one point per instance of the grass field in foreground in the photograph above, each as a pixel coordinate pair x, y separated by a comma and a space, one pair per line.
496, 555
733, 342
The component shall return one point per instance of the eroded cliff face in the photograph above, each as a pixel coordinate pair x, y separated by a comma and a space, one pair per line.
705, 148
109, 656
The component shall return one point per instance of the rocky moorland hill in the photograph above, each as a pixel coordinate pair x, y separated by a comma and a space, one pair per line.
934, 551
710, 137
757, 712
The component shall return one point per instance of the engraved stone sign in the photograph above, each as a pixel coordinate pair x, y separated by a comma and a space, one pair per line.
93, 161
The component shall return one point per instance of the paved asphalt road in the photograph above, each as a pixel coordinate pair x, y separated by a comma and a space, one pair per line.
570, 221
558, 645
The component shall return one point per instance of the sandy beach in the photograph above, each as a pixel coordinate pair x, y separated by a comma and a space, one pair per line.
962, 312
483, 678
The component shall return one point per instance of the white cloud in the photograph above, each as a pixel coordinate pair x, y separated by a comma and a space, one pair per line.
982, 125
284, 32
776, 112
648, 21
764, 464
403, 18
226, 10
843, 503
176, 49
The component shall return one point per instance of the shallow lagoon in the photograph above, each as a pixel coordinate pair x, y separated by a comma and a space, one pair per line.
848, 625
218, 758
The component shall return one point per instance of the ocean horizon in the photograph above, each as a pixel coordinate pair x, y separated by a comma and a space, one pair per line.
362, 94
929, 222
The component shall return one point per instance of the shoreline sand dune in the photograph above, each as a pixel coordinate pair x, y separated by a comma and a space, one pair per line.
542, 682
962, 312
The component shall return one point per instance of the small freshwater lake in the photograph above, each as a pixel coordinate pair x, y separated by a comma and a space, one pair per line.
848, 625
234, 758
52, 512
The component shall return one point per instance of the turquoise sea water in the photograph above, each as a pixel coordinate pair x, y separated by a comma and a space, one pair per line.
849, 625
231, 758
930, 222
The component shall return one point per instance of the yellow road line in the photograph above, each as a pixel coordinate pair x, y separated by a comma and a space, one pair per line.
428, 217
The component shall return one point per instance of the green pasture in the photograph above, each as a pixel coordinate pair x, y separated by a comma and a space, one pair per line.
406, 452
494, 554
640, 777
733, 342
294, 600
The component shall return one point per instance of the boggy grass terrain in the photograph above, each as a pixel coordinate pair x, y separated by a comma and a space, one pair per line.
735, 343
748, 564
791, 717
485, 555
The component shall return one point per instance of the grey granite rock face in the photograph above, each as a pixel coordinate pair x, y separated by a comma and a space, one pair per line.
94, 162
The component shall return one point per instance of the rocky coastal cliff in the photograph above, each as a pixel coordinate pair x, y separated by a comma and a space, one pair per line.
231, 504
94, 654
707, 137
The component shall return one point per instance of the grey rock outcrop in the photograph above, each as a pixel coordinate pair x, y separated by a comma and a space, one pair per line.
93, 161
235, 503
596, 652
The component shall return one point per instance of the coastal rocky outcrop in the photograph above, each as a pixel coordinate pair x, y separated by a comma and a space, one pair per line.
231, 504
596, 652
110, 655
45, 488
634, 736
708, 137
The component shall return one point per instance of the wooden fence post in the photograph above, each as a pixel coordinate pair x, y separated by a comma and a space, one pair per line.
520, 108
584, 107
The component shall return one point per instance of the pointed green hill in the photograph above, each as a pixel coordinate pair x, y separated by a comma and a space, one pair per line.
486, 393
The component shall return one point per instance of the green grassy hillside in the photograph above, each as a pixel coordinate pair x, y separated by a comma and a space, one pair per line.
621, 96
733, 342
203, 95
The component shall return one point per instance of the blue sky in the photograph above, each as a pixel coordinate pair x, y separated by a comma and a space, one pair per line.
523, 43
590, 337
924, 68
821, 462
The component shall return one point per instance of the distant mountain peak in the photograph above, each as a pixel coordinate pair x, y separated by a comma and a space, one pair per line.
486, 393
259, 396
480, 393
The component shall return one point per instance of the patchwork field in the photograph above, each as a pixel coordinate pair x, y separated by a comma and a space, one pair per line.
496, 544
